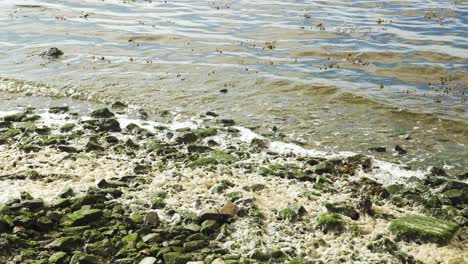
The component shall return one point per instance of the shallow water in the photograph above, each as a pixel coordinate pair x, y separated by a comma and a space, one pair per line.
314, 69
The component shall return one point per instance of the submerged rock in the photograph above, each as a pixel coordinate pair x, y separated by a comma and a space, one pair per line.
102, 113
52, 52
423, 229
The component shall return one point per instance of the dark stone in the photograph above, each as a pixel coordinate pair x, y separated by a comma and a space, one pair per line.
34, 204
378, 149
102, 113
59, 109
103, 125
187, 138
19, 117
198, 148
435, 171
83, 216
67, 149
52, 52
400, 150
344, 209
324, 167
67, 244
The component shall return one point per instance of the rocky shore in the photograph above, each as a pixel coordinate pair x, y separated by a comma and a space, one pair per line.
101, 187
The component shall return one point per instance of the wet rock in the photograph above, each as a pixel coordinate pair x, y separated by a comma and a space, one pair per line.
378, 149
198, 148
43, 224
148, 260
152, 238
229, 209
205, 132
223, 157
59, 258
59, 109
5, 124
102, 113
28, 148
103, 125
364, 205
344, 209
255, 187
202, 162
187, 138
6, 223
423, 229
209, 227
226, 122
52, 53
106, 184
83, 216
82, 258
140, 169
67, 149
400, 150
435, 171
258, 143
152, 219
19, 117
175, 258
260, 255
324, 167
194, 245
34, 204
67, 244
101, 248
118, 104
330, 222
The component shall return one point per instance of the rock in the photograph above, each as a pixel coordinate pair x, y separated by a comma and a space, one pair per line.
258, 143
44, 224
212, 214
209, 227
103, 125
344, 209
198, 148
205, 132
93, 145
19, 117
67, 193
6, 223
152, 219
83, 216
5, 124
330, 222
229, 209
223, 157
226, 122
186, 138
118, 104
59, 109
59, 258
148, 260
400, 150
202, 162
378, 149
175, 258
67, 244
34, 204
82, 258
254, 187
324, 167
28, 148
260, 255
67, 149
194, 245
423, 229
152, 238
52, 52
105, 184
101, 248
435, 171
102, 113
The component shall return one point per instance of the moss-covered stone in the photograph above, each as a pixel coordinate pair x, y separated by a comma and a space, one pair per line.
423, 229
82, 258
30, 148
67, 244
102, 113
83, 216
330, 222
202, 162
324, 167
67, 127
194, 245
206, 132
176, 258
19, 117
223, 157
209, 226
59, 258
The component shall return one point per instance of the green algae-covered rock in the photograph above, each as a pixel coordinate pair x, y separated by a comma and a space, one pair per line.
65, 243
194, 245
19, 117
59, 258
175, 258
102, 113
203, 162
209, 226
83, 216
82, 258
223, 157
424, 229
330, 222
205, 132
324, 167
